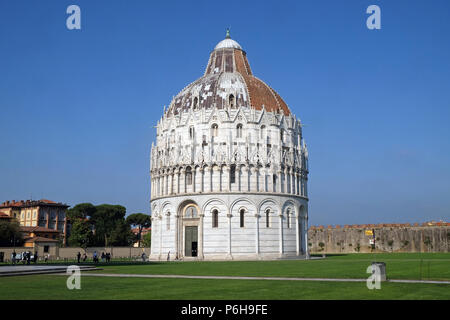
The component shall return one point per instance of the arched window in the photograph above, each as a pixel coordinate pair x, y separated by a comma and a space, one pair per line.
281, 135
188, 176
215, 218
233, 173
267, 218
191, 132
191, 212
195, 103
263, 131
239, 130
231, 101
214, 130
242, 213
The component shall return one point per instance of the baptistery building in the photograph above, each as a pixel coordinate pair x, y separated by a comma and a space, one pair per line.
229, 168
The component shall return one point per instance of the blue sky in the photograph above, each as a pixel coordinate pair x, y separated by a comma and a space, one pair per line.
77, 108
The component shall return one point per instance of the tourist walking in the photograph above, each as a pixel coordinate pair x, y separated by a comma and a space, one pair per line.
84, 257
103, 257
94, 257
78, 256
28, 257
13, 257
35, 257
143, 256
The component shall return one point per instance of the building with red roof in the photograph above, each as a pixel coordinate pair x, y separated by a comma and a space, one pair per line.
38, 214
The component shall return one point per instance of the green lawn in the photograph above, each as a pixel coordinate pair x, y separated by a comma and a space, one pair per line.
399, 266
423, 266
48, 287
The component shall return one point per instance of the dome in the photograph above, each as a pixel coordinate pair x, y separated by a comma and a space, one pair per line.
228, 77
228, 43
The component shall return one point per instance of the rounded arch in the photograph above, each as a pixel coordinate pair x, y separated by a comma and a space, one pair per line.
292, 205
267, 203
214, 208
207, 203
185, 204
236, 202
166, 206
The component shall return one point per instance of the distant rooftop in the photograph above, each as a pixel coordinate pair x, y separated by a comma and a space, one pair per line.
31, 203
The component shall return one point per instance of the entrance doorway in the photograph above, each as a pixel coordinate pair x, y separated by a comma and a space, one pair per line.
191, 241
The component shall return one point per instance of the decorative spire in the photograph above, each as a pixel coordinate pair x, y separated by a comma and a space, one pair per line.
228, 34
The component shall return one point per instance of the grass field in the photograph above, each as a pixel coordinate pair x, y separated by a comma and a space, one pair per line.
399, 266
420, 266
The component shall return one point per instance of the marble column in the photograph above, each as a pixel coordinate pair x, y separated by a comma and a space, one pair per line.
202, 179
270, 181
183, 180
253, 179
176, 175
244, 179
286, 179
225, 183
160, 235
167, 183
281, 233
197, 187
177, 234
292, 181
279, 182
257, 234
237, 174
201, 237
229, 216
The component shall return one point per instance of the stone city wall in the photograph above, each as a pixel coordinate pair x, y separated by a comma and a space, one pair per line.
427, 237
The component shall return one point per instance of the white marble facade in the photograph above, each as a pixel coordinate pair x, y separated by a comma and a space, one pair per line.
228, 179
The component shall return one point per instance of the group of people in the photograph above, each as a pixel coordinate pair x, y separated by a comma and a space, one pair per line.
24, 257
79, 257
105, 257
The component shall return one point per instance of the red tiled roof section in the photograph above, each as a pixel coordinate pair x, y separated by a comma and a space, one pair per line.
260, 93
228, 61
47, 201
38, 229
30, 203
40, 239
144, 230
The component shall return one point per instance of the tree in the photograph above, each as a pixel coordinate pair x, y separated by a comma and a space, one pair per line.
81, 211
147, 240
81, 231
121, 235
140, 221
81, 234
10, 234
105, 219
